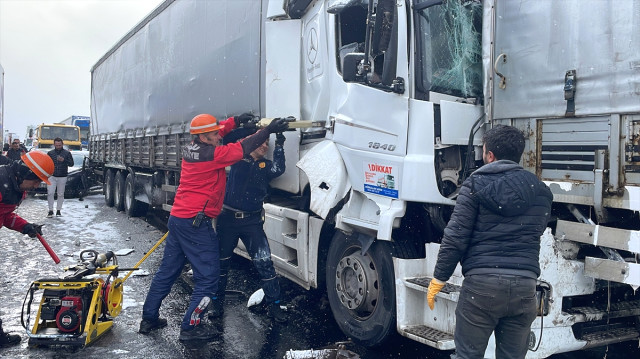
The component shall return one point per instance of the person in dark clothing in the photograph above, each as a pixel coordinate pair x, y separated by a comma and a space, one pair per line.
15, 151
192, 237
494, 233
242, 218
62, 160
16, 178
4, 160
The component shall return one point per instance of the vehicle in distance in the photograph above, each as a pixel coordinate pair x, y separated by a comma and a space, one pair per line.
78, 181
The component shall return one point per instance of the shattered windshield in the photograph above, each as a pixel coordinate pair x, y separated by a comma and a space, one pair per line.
449, 42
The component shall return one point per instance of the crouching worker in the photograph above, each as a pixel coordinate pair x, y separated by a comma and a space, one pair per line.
242, 218
191, 236
15, 179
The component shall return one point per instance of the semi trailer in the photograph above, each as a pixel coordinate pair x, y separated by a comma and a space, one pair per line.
399, 93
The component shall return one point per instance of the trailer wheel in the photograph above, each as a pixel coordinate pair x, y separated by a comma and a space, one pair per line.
361, 289
132, 206
118, 192
108, 187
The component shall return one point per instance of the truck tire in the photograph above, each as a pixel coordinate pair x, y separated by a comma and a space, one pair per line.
109, 179
133, 207
361, 289
118, 191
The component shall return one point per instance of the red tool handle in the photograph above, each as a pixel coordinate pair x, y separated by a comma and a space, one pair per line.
46, 246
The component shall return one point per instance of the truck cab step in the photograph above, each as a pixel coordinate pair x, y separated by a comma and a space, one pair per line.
429, 336
610, 336
422, 283
616, 310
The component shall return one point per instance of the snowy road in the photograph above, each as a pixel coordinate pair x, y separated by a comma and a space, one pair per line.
91, 225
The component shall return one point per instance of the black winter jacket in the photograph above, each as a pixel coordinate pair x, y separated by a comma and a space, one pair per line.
61, 168
15, 155
500, 214
248, 180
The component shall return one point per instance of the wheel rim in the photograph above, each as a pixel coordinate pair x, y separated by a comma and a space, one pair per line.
357, 283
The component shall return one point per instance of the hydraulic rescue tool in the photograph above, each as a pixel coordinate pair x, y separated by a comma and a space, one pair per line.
293, 123
48, 248
77, 309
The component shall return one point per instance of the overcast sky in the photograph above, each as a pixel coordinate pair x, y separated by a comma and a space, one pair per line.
47, 49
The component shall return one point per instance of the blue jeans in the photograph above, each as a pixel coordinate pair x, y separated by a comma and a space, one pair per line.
251, 232
505, 304
185, 243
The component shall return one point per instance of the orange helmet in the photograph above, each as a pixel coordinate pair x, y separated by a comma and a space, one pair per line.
39, 163
204, 123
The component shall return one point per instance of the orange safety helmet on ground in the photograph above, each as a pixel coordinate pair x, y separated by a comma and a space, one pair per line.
204, 123
39, 163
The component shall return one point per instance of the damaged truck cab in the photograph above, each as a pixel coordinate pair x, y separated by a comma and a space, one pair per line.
400, 92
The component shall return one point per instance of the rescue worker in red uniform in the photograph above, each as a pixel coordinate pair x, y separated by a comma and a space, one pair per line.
197, 203
15, 179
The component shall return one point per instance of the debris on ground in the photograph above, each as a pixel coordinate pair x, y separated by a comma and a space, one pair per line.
321, 354
255, 298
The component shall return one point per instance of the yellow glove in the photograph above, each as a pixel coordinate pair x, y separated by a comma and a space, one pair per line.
434, 287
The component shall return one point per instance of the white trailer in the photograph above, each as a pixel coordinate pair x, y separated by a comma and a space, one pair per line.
402, 90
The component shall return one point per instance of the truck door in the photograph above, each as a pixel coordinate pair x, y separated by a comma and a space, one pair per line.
368, 108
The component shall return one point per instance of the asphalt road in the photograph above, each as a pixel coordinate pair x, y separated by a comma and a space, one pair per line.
89, 224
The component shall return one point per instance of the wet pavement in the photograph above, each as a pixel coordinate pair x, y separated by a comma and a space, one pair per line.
245, 334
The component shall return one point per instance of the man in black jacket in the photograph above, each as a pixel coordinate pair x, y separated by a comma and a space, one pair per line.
62, 160
494, 232
16, 150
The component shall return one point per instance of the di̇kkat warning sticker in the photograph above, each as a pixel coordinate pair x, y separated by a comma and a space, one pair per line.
380, 179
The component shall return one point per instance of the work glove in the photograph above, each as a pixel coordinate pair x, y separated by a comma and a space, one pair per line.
243, 120
280, 139
278, 125
435, 286
252, 124
32, 229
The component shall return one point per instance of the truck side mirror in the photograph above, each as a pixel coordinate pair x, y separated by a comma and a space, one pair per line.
350, 67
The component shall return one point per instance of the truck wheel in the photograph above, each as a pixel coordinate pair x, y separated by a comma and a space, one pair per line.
108, 187
118, 193
361, 289
133, 207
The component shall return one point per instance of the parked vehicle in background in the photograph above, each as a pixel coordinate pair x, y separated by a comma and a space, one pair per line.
28, 140
46, 133
79, 178
9, 137
83, 122
403, 91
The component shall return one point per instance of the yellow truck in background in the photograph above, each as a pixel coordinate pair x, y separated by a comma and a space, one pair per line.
46, 133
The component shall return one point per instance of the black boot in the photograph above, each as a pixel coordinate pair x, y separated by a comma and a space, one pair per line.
200, 332
6, 339
216, 310
147, 326
274, 311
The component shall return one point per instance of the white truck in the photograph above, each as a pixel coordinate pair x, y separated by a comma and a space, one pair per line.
399, 92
